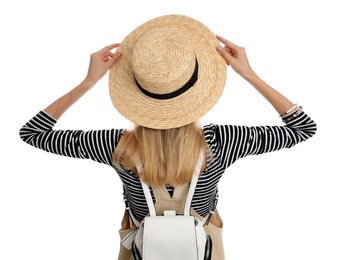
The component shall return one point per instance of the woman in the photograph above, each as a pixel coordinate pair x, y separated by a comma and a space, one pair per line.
166, 75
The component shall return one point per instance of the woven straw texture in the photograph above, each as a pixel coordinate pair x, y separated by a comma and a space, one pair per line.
161, 55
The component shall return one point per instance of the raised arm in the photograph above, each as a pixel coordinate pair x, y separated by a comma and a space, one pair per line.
97, 145
100, 63
236, 57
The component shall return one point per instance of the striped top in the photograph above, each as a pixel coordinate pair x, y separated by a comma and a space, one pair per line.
228, 143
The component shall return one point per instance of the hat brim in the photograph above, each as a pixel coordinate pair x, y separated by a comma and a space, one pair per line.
185, 108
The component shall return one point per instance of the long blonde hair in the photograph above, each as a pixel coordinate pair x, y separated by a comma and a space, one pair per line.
167, 156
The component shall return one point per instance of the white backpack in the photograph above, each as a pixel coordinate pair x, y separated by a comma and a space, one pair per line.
170, 236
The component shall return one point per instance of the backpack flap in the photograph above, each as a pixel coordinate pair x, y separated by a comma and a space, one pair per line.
183, 237
166, 230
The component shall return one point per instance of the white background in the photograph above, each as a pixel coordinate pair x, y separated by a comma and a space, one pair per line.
280, 205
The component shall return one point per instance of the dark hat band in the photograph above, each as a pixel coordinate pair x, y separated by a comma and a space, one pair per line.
177, 92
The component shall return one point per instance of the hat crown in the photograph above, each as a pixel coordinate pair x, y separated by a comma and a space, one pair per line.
170, 73
163, 61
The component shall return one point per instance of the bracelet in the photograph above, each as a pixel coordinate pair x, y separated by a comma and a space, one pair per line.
293, 115
290, 111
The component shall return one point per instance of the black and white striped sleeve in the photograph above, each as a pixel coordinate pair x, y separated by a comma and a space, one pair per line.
231, 142
97, 145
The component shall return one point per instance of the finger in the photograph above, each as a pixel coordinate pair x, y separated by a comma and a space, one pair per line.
227, 42
225, 54
111, 46
114, 58
228, 56
108, 48
229, 50
108, 56
111, 55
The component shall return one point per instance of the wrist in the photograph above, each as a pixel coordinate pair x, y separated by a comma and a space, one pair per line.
89, 82
249, 75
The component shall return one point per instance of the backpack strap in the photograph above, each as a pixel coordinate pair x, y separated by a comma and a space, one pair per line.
148, 198
193, 185
166, 201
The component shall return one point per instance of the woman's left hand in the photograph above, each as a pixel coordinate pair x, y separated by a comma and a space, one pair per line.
102, 61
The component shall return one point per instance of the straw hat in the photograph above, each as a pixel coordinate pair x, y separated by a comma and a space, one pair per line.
170, 73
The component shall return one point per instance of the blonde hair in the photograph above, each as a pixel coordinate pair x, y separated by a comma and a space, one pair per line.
167, 156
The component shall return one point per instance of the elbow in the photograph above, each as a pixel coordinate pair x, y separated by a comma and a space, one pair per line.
309, 132
312, 130
23, 134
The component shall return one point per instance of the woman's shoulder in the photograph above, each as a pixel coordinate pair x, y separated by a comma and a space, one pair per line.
210, 127
210, 132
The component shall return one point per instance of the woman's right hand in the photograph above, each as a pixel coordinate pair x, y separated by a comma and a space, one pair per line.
235, 56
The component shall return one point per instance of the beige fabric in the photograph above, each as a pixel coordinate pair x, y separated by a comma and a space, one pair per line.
177, 202
165, 202
124, 254
214, 229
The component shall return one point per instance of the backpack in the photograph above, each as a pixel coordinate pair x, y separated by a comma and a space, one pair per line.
170, 235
